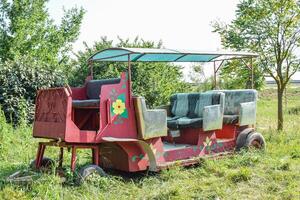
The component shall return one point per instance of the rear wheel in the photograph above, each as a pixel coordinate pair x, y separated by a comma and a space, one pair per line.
256, 141
88, 172
249, 140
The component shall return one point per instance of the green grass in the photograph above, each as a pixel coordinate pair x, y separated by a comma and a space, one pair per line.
273, 174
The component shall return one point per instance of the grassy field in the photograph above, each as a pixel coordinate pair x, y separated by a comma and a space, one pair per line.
274, 174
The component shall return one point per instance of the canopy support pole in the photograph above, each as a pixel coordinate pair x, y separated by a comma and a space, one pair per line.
216, 69
90, 63
215, 76
129, 79
252, 74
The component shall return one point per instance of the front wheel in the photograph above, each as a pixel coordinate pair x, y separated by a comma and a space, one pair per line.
89, 171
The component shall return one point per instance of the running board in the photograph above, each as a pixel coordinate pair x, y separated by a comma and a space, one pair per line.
191, 161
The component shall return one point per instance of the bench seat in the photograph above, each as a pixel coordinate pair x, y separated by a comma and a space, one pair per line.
93, 91
196, 110
185, 122
240, 106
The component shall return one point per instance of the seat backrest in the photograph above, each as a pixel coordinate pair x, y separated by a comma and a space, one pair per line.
93, 87
192, 104
233, 98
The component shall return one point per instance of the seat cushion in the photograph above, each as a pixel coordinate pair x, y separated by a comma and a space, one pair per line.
88, 103
230, 119
172, 122
184, 122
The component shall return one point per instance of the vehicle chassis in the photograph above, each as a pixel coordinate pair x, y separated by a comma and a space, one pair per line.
127, 151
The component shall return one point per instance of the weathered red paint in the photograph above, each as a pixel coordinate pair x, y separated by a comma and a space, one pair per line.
56, 119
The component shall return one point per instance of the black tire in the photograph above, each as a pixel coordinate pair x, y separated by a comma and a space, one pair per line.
255, 140
242, 138
46, 164
88, 170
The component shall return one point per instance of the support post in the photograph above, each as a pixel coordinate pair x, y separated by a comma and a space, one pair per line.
95, 151
61, 157
73, 159
38, 156
129, 79
215, 76
91, 68
252, 74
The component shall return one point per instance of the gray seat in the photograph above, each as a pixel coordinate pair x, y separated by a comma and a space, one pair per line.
93, 91
93, 87
150, 123
185, 122
196, 110
240, 106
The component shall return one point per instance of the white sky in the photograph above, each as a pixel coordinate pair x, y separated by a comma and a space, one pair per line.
180, 24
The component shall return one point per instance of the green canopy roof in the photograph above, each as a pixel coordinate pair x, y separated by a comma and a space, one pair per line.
165, 55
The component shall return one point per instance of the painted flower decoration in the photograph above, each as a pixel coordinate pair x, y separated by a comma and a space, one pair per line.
207, 141
118, 107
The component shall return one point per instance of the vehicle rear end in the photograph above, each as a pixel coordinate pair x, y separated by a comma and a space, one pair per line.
51, 112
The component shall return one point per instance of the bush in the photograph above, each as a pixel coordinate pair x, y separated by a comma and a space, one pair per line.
19, 80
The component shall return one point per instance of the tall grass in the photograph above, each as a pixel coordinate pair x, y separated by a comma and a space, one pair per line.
273, 174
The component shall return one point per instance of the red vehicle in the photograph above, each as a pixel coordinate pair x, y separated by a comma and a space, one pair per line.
104, 116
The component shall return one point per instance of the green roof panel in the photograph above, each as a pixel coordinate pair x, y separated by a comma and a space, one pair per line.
164, 55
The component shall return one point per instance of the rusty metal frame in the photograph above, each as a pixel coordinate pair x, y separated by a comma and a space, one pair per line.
73, 146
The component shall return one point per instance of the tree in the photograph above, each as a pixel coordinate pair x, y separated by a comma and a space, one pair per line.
27, 29
34, 53
236, 75
272, 29
19, 80
199, 81
155, 81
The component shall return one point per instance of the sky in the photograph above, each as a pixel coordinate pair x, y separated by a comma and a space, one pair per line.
180, 24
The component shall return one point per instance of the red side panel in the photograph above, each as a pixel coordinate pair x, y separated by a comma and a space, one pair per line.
79, 93
51, 113
117, 116
227, 132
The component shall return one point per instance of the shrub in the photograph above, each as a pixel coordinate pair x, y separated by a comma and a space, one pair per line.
19, 80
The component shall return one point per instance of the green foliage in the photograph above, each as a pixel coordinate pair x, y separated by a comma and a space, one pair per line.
273, 174
235, 75
270, 28
34, 53
199, 82
155, 81
243, 174
19, 80
27, 29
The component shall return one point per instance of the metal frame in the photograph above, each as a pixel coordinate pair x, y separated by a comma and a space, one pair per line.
239, 55
250, 67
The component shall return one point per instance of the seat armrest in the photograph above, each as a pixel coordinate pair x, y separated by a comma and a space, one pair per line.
166, 108
212, 117
150, 123
247, 113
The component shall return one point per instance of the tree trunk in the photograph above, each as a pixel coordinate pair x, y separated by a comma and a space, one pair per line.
280, 110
